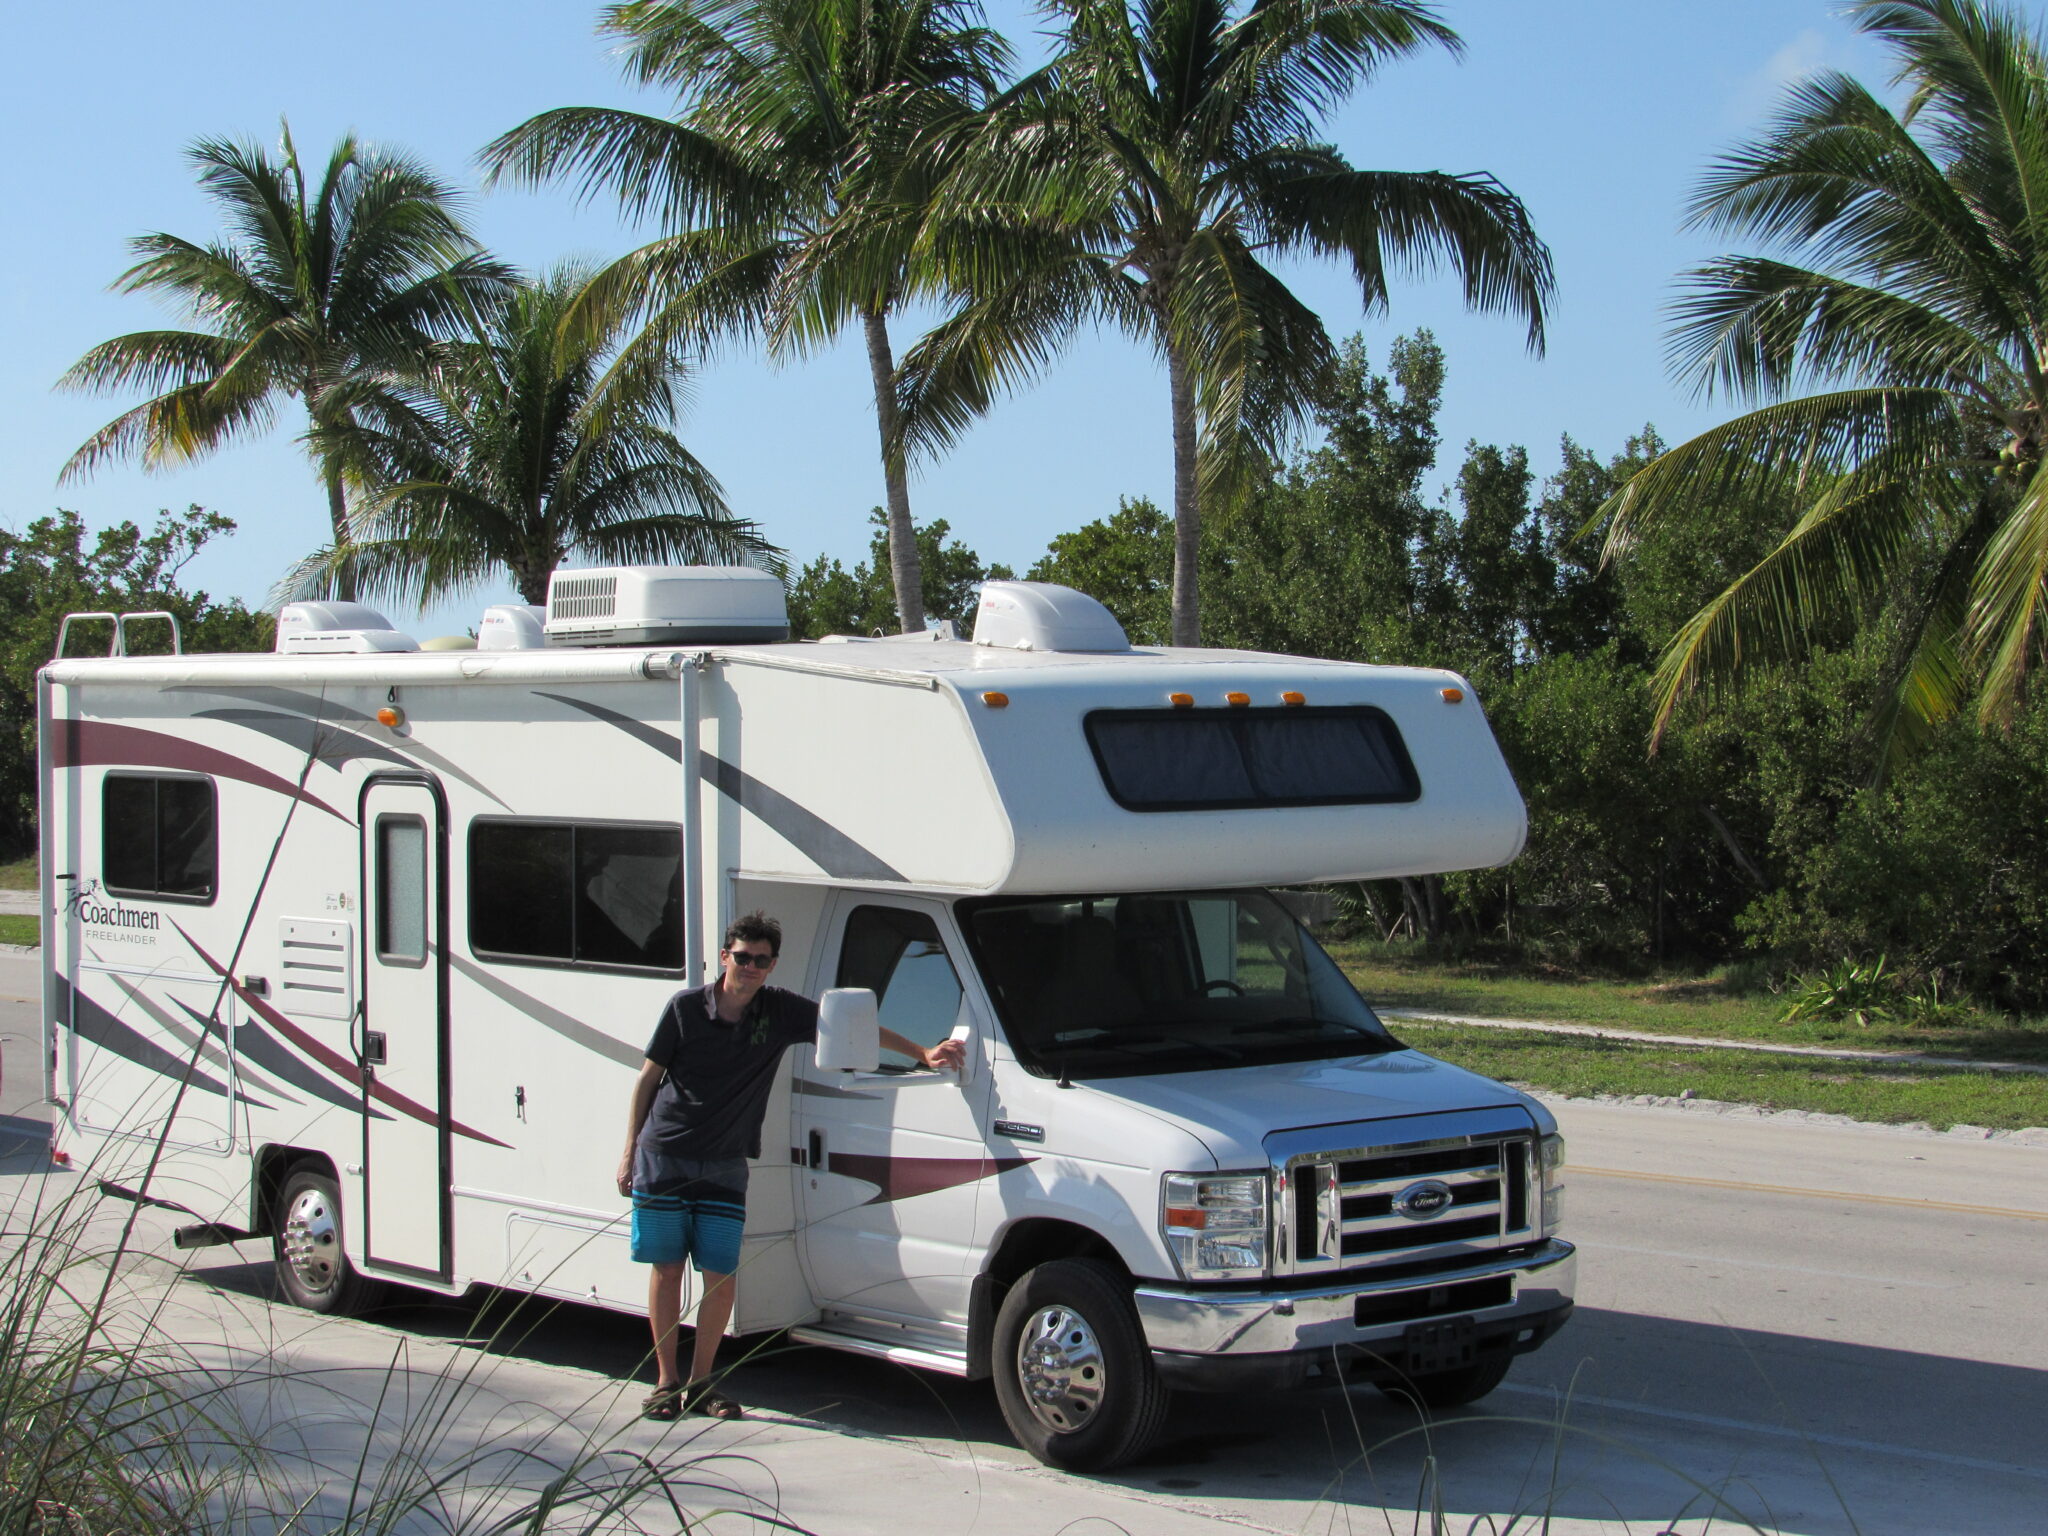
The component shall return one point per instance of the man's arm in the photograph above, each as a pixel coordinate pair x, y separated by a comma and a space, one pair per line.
645, 1087
946, 1054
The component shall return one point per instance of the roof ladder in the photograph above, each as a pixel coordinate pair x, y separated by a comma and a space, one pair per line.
119, 645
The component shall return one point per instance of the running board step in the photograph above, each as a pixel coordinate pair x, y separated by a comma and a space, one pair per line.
945, 1361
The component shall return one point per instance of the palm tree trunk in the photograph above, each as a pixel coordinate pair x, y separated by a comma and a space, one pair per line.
1187, 511
904, 574
337, 512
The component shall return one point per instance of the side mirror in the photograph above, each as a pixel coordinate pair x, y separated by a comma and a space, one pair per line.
963, 1031
849, 1031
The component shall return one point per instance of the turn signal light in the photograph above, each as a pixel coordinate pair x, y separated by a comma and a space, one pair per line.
1191, 1217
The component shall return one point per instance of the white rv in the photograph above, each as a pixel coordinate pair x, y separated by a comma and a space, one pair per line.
356, 946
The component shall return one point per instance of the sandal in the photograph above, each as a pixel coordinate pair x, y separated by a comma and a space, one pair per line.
712, 1404
663, 1404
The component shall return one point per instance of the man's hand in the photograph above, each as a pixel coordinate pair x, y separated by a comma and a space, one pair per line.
946, 1055
626, 1173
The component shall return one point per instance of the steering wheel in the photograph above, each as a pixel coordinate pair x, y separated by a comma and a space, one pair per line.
1228, 986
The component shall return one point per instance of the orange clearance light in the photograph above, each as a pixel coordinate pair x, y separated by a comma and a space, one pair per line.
391, 716
1237, 700
1181, 700
1187, 1217
996, 700
1454, 695
1293, 698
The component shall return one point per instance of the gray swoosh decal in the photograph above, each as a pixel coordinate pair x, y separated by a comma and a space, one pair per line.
325, 712
319, 740
573, 1030
810, 834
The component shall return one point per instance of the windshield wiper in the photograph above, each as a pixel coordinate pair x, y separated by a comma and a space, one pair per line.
1304, 1023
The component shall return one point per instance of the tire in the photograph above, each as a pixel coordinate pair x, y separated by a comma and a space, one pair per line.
1451, 1389
313, 1271
1073, 1374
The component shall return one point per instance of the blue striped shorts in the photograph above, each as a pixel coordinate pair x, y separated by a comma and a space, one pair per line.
700, 1218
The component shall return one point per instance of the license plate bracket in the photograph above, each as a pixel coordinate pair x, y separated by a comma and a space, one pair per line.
1442, 1344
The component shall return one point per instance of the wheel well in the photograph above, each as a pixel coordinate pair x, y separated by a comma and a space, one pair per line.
1038, 1239
273, 1166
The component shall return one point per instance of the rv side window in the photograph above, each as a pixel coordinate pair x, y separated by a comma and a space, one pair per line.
897, 953
158, 836
1248, 759
402, 890
577, 893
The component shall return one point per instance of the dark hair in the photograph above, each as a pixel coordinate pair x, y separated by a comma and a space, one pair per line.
757, 926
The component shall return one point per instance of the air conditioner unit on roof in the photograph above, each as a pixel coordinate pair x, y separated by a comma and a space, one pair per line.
664, 605
335, 629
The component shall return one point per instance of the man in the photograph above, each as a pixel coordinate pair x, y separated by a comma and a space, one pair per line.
695, 1120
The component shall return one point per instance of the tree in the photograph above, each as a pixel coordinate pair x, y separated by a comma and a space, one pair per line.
1125, 563
787, 179
528, 445
54, 568
1148, 175
1912, 306
327, 295
828, 599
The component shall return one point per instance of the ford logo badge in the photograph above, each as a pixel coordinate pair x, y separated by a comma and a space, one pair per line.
1419, 1202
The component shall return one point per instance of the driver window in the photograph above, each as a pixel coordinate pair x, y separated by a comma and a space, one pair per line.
898, 955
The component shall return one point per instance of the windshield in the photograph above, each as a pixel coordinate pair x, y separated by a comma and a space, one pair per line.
1177, 981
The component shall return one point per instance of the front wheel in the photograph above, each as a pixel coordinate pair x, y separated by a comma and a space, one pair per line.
1073, 1374
312, 1268
1451, 1389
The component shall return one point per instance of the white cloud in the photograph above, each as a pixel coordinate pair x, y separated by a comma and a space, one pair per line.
1760, 90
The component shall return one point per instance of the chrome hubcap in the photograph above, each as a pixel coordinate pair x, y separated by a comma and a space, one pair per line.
312, 1240
1059, 1365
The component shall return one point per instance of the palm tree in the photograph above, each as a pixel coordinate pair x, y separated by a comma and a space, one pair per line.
327, 295
786, 183
1147, 176
528, 446
1898, 355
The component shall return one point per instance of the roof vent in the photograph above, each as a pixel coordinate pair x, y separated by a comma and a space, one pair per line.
664, 605
512, 627
1038, 616
337, 629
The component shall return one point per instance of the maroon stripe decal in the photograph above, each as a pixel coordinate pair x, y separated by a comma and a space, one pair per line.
904, 1178
333, 1060
83, 743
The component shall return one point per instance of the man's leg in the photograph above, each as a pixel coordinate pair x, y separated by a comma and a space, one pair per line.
713, 1313
664, 1316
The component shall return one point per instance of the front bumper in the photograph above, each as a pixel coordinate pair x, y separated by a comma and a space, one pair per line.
1209, 1339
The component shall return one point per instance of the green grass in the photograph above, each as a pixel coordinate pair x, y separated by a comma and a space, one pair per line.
1887, 1093
19, 876
19, 928
1399, 976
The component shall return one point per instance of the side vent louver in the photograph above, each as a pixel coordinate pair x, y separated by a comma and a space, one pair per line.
316, 968
583, 597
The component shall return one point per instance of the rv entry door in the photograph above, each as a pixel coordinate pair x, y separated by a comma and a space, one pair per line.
403, 1035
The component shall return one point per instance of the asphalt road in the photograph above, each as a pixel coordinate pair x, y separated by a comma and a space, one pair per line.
1817, 1330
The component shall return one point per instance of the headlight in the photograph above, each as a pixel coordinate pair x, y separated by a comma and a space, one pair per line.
1215, 1223
1551, 1154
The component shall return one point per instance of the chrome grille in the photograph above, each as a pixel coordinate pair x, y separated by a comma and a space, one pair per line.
1463, 1189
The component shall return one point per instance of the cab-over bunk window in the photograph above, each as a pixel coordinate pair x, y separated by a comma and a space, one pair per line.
601, 894
1250, 759
158, 836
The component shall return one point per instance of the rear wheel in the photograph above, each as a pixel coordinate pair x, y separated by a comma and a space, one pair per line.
1451, 1389
312, 1268
1073, 1374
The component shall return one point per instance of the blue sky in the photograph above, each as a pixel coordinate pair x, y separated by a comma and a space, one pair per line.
1600, 114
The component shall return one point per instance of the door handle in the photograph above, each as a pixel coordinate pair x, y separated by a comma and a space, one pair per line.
817, 1151
373, 1047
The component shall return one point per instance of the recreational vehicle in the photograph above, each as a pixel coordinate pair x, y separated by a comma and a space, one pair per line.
355, 947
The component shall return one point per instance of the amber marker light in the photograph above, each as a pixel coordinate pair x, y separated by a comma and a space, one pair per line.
1237, 700
1181, 700
391, 717
1293, 699
1454, 695
996, 700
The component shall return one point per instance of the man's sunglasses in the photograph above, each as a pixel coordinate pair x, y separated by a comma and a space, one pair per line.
759, 962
